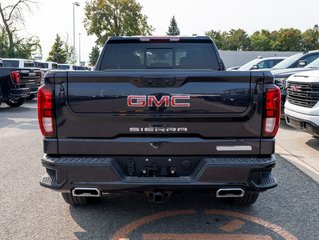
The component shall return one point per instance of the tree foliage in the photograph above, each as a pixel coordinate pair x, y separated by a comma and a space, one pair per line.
58, 52
12, 18
62, 52
106, 18
173, 29
94, 55
23, 47
285, 39
310, 38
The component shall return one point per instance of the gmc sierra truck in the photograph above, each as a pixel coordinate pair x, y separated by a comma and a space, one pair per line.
17, 84
160, 115
302, 105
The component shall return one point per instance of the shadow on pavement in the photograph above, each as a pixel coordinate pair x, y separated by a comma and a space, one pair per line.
103, 218
314, 143
284, 125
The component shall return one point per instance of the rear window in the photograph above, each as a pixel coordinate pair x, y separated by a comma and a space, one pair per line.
1, 64
54, 66
64, 67
41, 65
159, 56
29, 64
11, 63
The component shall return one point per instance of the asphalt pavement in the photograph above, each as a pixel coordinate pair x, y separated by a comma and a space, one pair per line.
28, 211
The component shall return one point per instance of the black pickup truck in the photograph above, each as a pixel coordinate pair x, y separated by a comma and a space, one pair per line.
18, 84
160, 115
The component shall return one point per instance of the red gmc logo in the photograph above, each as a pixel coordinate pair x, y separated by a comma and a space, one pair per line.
295, 88
150, 101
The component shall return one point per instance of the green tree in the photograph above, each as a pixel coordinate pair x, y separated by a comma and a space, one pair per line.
173, 29
261, 41
106, 18
237, 39
23, 47
58, 53
94, 55
11, 15
219, 38
310, 39
287, 39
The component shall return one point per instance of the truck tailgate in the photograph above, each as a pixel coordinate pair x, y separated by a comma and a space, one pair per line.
222, 111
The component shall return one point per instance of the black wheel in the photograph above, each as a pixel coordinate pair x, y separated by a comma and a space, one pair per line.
75, 201
15, 103
32, 96
246, 200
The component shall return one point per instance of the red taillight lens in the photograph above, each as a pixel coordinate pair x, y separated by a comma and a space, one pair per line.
15, 76
272, 111
45, 111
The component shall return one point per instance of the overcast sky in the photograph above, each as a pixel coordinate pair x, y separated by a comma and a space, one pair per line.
55, 16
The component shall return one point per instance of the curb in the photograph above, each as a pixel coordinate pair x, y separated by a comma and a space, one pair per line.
306, 168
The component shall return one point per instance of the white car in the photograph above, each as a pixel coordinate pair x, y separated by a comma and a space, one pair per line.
302, 104
66, 66
18, 63
261, 63
45, 67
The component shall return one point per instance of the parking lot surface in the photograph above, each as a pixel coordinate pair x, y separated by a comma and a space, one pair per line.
29, 211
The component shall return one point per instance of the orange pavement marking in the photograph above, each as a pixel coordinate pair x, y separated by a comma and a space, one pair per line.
275, 228
232, 225
126, 230
204, 237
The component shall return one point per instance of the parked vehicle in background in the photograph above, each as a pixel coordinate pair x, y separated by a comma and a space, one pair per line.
298, 60
282, 75
17, 84
302, 105
18, 63
159, 115
82, 68
65, 66
233, 68
261, 63
45, 67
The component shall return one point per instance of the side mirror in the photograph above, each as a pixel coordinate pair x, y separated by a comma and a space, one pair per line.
302, 63
255, 67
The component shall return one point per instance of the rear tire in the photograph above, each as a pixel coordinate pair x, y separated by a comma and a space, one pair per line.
247, 200
15, 103
75, 201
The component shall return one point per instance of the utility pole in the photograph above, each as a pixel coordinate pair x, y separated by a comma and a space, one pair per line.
79, 49
75, 4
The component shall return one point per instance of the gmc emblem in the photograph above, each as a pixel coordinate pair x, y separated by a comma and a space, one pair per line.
295, 88
150, 101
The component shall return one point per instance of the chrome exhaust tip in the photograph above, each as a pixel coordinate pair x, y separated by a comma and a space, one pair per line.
86, 192
230, 192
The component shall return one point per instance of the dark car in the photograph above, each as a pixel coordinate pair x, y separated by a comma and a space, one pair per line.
18, 84
298, 60
159, 115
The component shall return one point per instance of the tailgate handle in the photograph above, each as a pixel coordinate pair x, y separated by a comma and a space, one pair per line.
158, 81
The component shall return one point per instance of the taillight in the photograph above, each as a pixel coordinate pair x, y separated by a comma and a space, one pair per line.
15, 76
45, 111
272, 111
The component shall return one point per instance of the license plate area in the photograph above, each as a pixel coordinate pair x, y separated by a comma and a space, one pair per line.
158, 166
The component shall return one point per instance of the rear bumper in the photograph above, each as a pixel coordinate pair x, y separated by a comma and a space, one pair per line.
19, 92
106, 174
